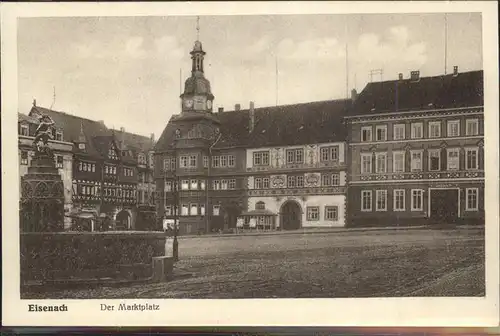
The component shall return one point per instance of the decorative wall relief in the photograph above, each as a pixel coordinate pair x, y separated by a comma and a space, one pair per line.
278, 181
311, 154
311, 180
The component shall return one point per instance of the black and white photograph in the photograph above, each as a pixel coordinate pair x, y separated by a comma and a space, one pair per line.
264, 156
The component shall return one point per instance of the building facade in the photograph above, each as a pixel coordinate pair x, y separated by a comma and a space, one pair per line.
416, 151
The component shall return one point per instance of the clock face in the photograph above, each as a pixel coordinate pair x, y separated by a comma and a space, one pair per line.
209, 104
188, 103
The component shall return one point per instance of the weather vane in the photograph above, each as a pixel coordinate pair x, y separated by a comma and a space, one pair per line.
198, 28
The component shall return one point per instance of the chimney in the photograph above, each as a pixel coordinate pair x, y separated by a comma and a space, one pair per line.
34, 102
354, 94
101, 122
251, 117
455, 71
237, 107
221, 109
152, 137
400, 76
122, 137
415, 75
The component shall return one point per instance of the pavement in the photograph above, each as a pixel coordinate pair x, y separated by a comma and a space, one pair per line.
305, 231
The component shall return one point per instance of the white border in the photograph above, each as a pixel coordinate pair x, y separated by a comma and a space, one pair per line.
283, 312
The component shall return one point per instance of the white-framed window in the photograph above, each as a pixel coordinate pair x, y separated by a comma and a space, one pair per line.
216, 185
202, 184
230, 161
261, 158
59, 135
168, 210
202, 209
260, 205
399, 200
194, 185
471, 196
366, 134
257, 183
223, 161
398, 162
185, 185
381, 133
399, 131
472, 127
380, 162
366, 163
216, 161
312, 213
193, 161
335, 179
205, 161
59, 161
24, 158
453, 161
330, 153
434, 159
168, 186
295, 155
193, 209
417, 199
25, 130
81, 146
173, 163
290, 181
471, 158
184, 161
232, 184
331, 213
326, 179
416, 160
434, 129
453, 128
381, 200
417, 130
224, 184
216, 210
265, 183
184, 210
366, 200
300, 181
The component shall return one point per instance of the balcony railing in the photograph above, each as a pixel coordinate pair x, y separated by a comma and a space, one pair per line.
420, 175
304, 166
298, 191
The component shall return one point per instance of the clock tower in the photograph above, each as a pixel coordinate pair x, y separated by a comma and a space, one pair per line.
197, 96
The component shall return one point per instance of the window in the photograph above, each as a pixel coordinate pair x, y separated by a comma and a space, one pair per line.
329, 153
59, 135
216, 161
471, 155
258, 183
93, 167
434, 129
216, 185
434, 159
202, 184
112, 154
454, 128
216, 210
173, 163
416, 160
399, 132
24, 130
335, 179
380, 162
300, 181
230, 161
223, 161
205, 161
381, 200
366, 200
471, 195
366, 134
184, 210
453, 159
168, 186
326, 180
192, 161
313, 213
185, 185
366, 163
398, 162
416, 199
24, 157
381, 133
168, 210
265, 183
142, 159
295, 155
331, 213
416, 131
184, 162
291, 181
260, 205
399, 200
81, 146
202, 209
224, 185
59, 161
471, 127
194, 185
261, 158
193, 211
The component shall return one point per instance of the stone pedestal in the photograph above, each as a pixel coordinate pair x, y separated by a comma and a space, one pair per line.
163, 268
42, 196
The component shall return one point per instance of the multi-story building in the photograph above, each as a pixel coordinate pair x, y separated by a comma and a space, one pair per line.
275, 167
416, 151
63, 156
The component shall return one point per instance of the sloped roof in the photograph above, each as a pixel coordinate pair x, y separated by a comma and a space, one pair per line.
135, 142
27, 118
284, 125
437, 92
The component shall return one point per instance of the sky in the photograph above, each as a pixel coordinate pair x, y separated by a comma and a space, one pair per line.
127, 71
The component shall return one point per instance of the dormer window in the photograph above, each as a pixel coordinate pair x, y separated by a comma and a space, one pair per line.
112, 154
59, 135
24, 130
260, 206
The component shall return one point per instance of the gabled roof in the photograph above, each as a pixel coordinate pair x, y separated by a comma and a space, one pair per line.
285, 125
427, 93
26, 118
135, 142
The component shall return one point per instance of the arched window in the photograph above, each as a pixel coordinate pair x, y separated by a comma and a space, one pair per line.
260, 205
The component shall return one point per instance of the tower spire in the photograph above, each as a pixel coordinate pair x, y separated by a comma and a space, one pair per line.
197, 28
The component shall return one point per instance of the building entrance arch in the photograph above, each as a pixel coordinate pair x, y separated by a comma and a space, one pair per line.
290, 216
123, 220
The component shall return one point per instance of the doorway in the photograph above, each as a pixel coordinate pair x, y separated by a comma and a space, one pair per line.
444, 206
291, 216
